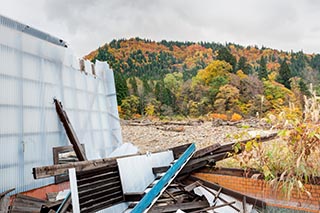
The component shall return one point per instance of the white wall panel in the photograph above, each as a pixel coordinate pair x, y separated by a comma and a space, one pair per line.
136, 171
10, 121
8, 91
33, 71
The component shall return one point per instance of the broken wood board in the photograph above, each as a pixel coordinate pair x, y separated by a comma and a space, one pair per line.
232, 193
70, 131
182, 206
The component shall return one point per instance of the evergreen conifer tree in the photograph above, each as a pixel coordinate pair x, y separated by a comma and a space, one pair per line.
262, 72
284, 75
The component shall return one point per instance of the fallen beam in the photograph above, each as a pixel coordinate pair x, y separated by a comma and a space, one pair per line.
6, 192
237, 195
70, 131
48, 171
161, 169
182, 206
215, 207
133, 196
229, 147
195, 164
206, 150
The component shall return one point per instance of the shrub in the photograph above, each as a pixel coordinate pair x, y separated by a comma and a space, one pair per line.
218, 116
236, 117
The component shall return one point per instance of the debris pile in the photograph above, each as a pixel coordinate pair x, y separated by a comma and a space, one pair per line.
98, 184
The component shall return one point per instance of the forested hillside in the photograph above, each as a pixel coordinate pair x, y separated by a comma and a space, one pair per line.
206, 79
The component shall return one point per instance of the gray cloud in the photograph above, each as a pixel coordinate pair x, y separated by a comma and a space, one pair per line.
88, 24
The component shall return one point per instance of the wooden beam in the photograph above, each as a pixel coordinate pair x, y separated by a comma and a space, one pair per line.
179, 150
191, 186
156, 170
133, 196
229, 146
70, 131
236, 195
6, 192
182, 206
215, 207
206, 150
4, 204
195, 164
232, 172
48, 171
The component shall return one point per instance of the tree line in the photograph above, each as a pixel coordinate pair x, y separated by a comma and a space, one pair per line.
171, 78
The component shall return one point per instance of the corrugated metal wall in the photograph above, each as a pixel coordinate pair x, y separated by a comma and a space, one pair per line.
32, 72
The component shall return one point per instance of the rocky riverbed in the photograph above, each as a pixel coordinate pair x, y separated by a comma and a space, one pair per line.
155, 136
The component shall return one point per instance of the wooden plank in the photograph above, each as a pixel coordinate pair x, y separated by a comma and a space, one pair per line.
148, 200
70, 131
51, 205
215, 207
179, 150
182, 206
231, 172
108, 182
52, 170
133, 196
98, 171
103, 204
19, 209
170, 195
189, 168
4, 204
161, 169
217, 195
6, 192
195, 164
111, 198
23, 203
93, 194
236, 195
110, 176
229, 146
206, 150
191, 186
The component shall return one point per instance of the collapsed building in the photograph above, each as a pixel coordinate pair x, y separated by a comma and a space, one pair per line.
61, 147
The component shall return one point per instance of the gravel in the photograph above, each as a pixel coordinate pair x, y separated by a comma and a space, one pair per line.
153, 138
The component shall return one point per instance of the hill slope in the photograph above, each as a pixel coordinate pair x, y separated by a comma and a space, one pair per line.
188, 78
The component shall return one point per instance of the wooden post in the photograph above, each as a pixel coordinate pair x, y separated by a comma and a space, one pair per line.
70, 131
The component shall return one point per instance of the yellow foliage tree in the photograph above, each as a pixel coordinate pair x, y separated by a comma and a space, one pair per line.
150, 109
215, 69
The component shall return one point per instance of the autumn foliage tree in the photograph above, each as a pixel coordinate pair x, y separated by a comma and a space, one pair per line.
199, 78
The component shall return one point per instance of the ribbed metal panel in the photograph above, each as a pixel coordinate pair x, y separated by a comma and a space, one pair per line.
33, 70
10, 23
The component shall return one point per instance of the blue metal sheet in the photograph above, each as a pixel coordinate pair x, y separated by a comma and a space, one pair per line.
147, 201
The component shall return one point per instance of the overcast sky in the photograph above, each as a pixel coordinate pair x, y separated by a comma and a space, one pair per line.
88, 24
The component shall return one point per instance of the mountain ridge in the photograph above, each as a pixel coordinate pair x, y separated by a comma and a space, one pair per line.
148, 70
